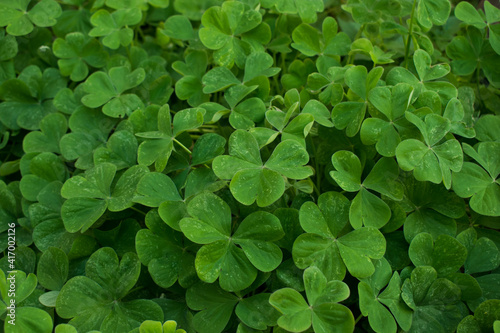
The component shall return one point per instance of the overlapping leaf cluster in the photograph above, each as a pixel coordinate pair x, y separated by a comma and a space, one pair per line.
250, 165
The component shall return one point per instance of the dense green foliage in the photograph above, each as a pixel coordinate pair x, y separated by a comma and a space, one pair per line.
250, 166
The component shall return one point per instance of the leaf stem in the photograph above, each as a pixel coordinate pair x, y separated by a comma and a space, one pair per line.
317, 186
350, 59
138, 211
182, 146
358, 319
410, 32
478, 70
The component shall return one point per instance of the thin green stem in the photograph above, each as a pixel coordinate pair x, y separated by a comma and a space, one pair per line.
182, 146
410, 32
317, 186
350, 59
138, 211
478, 71
358, 319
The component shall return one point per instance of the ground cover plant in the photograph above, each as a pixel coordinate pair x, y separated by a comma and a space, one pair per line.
249, 166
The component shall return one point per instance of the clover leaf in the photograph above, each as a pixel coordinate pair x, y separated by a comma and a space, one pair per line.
383, 131
445, 254
329, 85
89, 129
8, 46
435, 301
373, 301
433, 160
366, 208
426, 73
328, 248
168, 256
431, 208
121, 150
28, 99
328, 45
158, 145
476, 249
322, 310
76, 52
251, 180
236, 267
90, 196
291, 128
472, 52
52, 128
19, 21
221, 25
485, 318
480, 182
365, 46
431, 12
371, 11
467, 13
43, 169
190, 86
349, 115
216, 307
52, 272
26, 316
107, 89
172, 208
93, 301
179, 27
305, 9
49, 231
170, 326
114, 27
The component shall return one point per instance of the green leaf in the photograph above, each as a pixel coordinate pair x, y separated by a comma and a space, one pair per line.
43, 169
164, 253
466, 12
53, 269
324, 314
250, 180
259, 64
76, 53
215, 307
52, 128
107, 280
114, 27
482, 253
445, 254
431, 12
348, 174
358, 246
257, 312
221, 24
296, 313
430, 163
20, 22
30, 318
425, 71
473, 181
255, 235
369, 210
218, 79
349, 116
106, 89
155, 188
179, 27
211, 219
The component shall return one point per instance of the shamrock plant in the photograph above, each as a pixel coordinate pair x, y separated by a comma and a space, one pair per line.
187, 166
